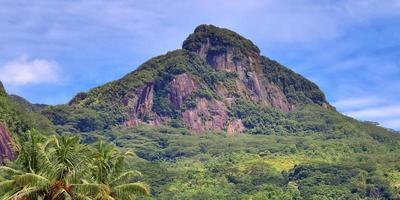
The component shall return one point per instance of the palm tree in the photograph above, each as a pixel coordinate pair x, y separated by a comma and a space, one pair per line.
55, 168
48, 168
110, 180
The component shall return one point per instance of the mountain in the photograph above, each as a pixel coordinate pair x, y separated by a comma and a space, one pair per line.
201, 85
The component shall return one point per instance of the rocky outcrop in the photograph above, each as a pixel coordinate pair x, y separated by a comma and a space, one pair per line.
223, 60
211, 115
139, 103
207, 115
277, 98
180, 88
6, 145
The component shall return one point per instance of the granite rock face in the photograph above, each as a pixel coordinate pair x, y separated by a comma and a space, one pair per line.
208, 115
180, 88
140, 103
6, 145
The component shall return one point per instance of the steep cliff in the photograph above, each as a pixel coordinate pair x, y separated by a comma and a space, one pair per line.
197, 86
6, 145
6, 151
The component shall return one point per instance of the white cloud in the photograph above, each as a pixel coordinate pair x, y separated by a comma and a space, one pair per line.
392, 123
376, 113
386, 116
372, 108
355, 103
23, 70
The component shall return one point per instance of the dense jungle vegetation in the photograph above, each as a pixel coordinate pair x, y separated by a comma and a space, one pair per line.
312, 165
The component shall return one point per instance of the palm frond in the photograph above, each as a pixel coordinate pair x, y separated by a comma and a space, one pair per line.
9, 170
51, 141
126, 191
32, 180
26, 193
125, 177
105, 197
6, 186
89, 189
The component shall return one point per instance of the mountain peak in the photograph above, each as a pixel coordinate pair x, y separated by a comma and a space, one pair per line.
212, 39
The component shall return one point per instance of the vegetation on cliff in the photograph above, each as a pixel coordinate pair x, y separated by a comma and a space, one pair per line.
219, 39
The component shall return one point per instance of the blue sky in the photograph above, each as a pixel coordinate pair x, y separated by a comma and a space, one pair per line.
50, 50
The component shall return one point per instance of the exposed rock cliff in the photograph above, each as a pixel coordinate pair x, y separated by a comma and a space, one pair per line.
6, 145
198, 85
180, 88
139, 103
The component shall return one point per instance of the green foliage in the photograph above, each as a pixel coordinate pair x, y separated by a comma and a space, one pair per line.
296, 88
19, 119
213, 166
219, 39
305, 120
77, 119
345, 180
261, 119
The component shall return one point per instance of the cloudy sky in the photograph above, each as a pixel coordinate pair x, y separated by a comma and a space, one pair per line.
50, 50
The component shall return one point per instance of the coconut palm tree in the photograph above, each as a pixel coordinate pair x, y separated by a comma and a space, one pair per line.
55, 168
110, 181
45, 168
